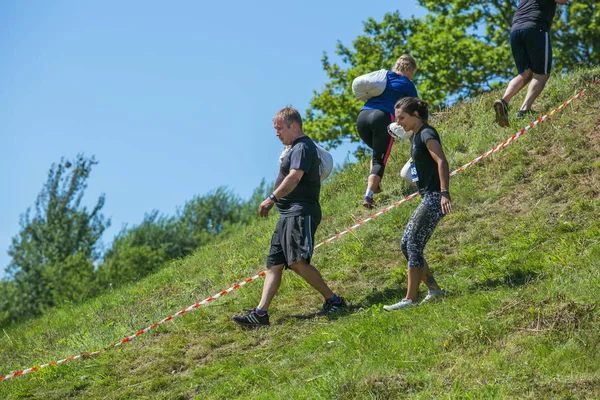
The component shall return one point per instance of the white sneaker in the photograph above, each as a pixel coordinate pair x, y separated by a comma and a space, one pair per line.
405, 303
433, 294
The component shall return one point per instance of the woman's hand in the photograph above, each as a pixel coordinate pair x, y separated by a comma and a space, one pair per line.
445, 203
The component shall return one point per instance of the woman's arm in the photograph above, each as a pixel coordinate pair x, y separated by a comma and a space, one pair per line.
435, 149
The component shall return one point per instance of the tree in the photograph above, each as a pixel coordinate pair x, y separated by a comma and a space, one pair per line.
461, 47
53, 255
575, 32
141, 250
8, 299
577, 35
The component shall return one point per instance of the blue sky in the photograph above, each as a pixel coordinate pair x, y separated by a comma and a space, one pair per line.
172, 100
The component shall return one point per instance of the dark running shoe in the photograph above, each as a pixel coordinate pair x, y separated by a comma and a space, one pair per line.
252, 319
331, 306
501, 109
525, 113
368, 202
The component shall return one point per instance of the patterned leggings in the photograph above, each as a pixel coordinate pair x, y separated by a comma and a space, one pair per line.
420, 227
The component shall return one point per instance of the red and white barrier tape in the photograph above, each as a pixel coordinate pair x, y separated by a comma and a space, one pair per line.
135, 335
337, 236
481, 157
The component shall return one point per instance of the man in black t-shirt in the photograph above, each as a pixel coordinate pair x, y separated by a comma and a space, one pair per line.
296, 195
530, 43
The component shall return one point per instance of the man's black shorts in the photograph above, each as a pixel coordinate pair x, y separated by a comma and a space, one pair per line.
292, 241
531, 50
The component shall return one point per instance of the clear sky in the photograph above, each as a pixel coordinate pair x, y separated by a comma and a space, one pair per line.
173, 99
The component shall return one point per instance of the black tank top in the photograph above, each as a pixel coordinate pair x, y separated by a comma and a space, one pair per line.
427, 168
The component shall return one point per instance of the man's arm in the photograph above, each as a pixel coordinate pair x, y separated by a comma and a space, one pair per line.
561, 2
289, 183
285, 187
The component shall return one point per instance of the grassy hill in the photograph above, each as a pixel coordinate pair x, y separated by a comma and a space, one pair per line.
519, 256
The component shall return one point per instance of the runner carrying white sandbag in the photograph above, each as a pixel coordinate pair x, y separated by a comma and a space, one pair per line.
377, 113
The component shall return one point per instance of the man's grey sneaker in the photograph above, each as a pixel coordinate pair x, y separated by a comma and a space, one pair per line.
525, 113
433, 294
405, 303
501, 109
252, 319
333, 306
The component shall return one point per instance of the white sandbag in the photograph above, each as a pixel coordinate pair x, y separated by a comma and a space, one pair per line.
405, 173
326, 165
369, 85
325, 161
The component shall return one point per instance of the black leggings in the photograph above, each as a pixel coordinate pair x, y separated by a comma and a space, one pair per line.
420, 227
372, 128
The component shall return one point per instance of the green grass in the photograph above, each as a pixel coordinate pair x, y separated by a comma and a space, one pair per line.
519, 256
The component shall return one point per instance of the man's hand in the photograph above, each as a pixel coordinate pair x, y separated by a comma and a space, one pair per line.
265, 206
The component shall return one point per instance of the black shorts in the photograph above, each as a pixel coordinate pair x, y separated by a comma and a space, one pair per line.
292, 241
531, 50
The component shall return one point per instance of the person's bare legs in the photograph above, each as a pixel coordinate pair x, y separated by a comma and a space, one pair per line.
428, 279
533, 91
271, 285
373, 183
313, 277
516, 84
418, 275
415, 276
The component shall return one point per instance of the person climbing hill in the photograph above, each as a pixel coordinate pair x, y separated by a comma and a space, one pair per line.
375, 116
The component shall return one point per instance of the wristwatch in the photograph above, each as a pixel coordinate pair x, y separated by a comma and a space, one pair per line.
272, 197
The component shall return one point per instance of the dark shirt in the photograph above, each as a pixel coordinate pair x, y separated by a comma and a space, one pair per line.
397, 87
304, 199
534, 14
427, 168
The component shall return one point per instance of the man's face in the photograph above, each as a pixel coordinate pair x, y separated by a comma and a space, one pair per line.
284, 132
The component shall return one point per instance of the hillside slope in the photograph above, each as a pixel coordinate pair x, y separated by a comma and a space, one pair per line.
519, 256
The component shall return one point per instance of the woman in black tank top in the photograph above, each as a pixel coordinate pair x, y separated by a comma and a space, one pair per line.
433, 178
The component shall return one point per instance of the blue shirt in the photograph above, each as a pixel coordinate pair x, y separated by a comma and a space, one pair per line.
397, 87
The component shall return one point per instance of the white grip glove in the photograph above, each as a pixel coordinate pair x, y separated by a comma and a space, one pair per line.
397, 132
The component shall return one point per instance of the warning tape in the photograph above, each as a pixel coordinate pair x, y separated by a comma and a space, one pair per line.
337, 236
138, 333
476, 160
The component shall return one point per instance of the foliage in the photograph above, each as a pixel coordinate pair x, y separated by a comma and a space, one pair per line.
53, 255
461, 47
142, 249
56, 257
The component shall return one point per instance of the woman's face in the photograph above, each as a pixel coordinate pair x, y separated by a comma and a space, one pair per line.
407, 121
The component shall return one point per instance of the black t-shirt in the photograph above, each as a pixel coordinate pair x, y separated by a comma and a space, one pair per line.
304, 199
427, 168
537, 14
